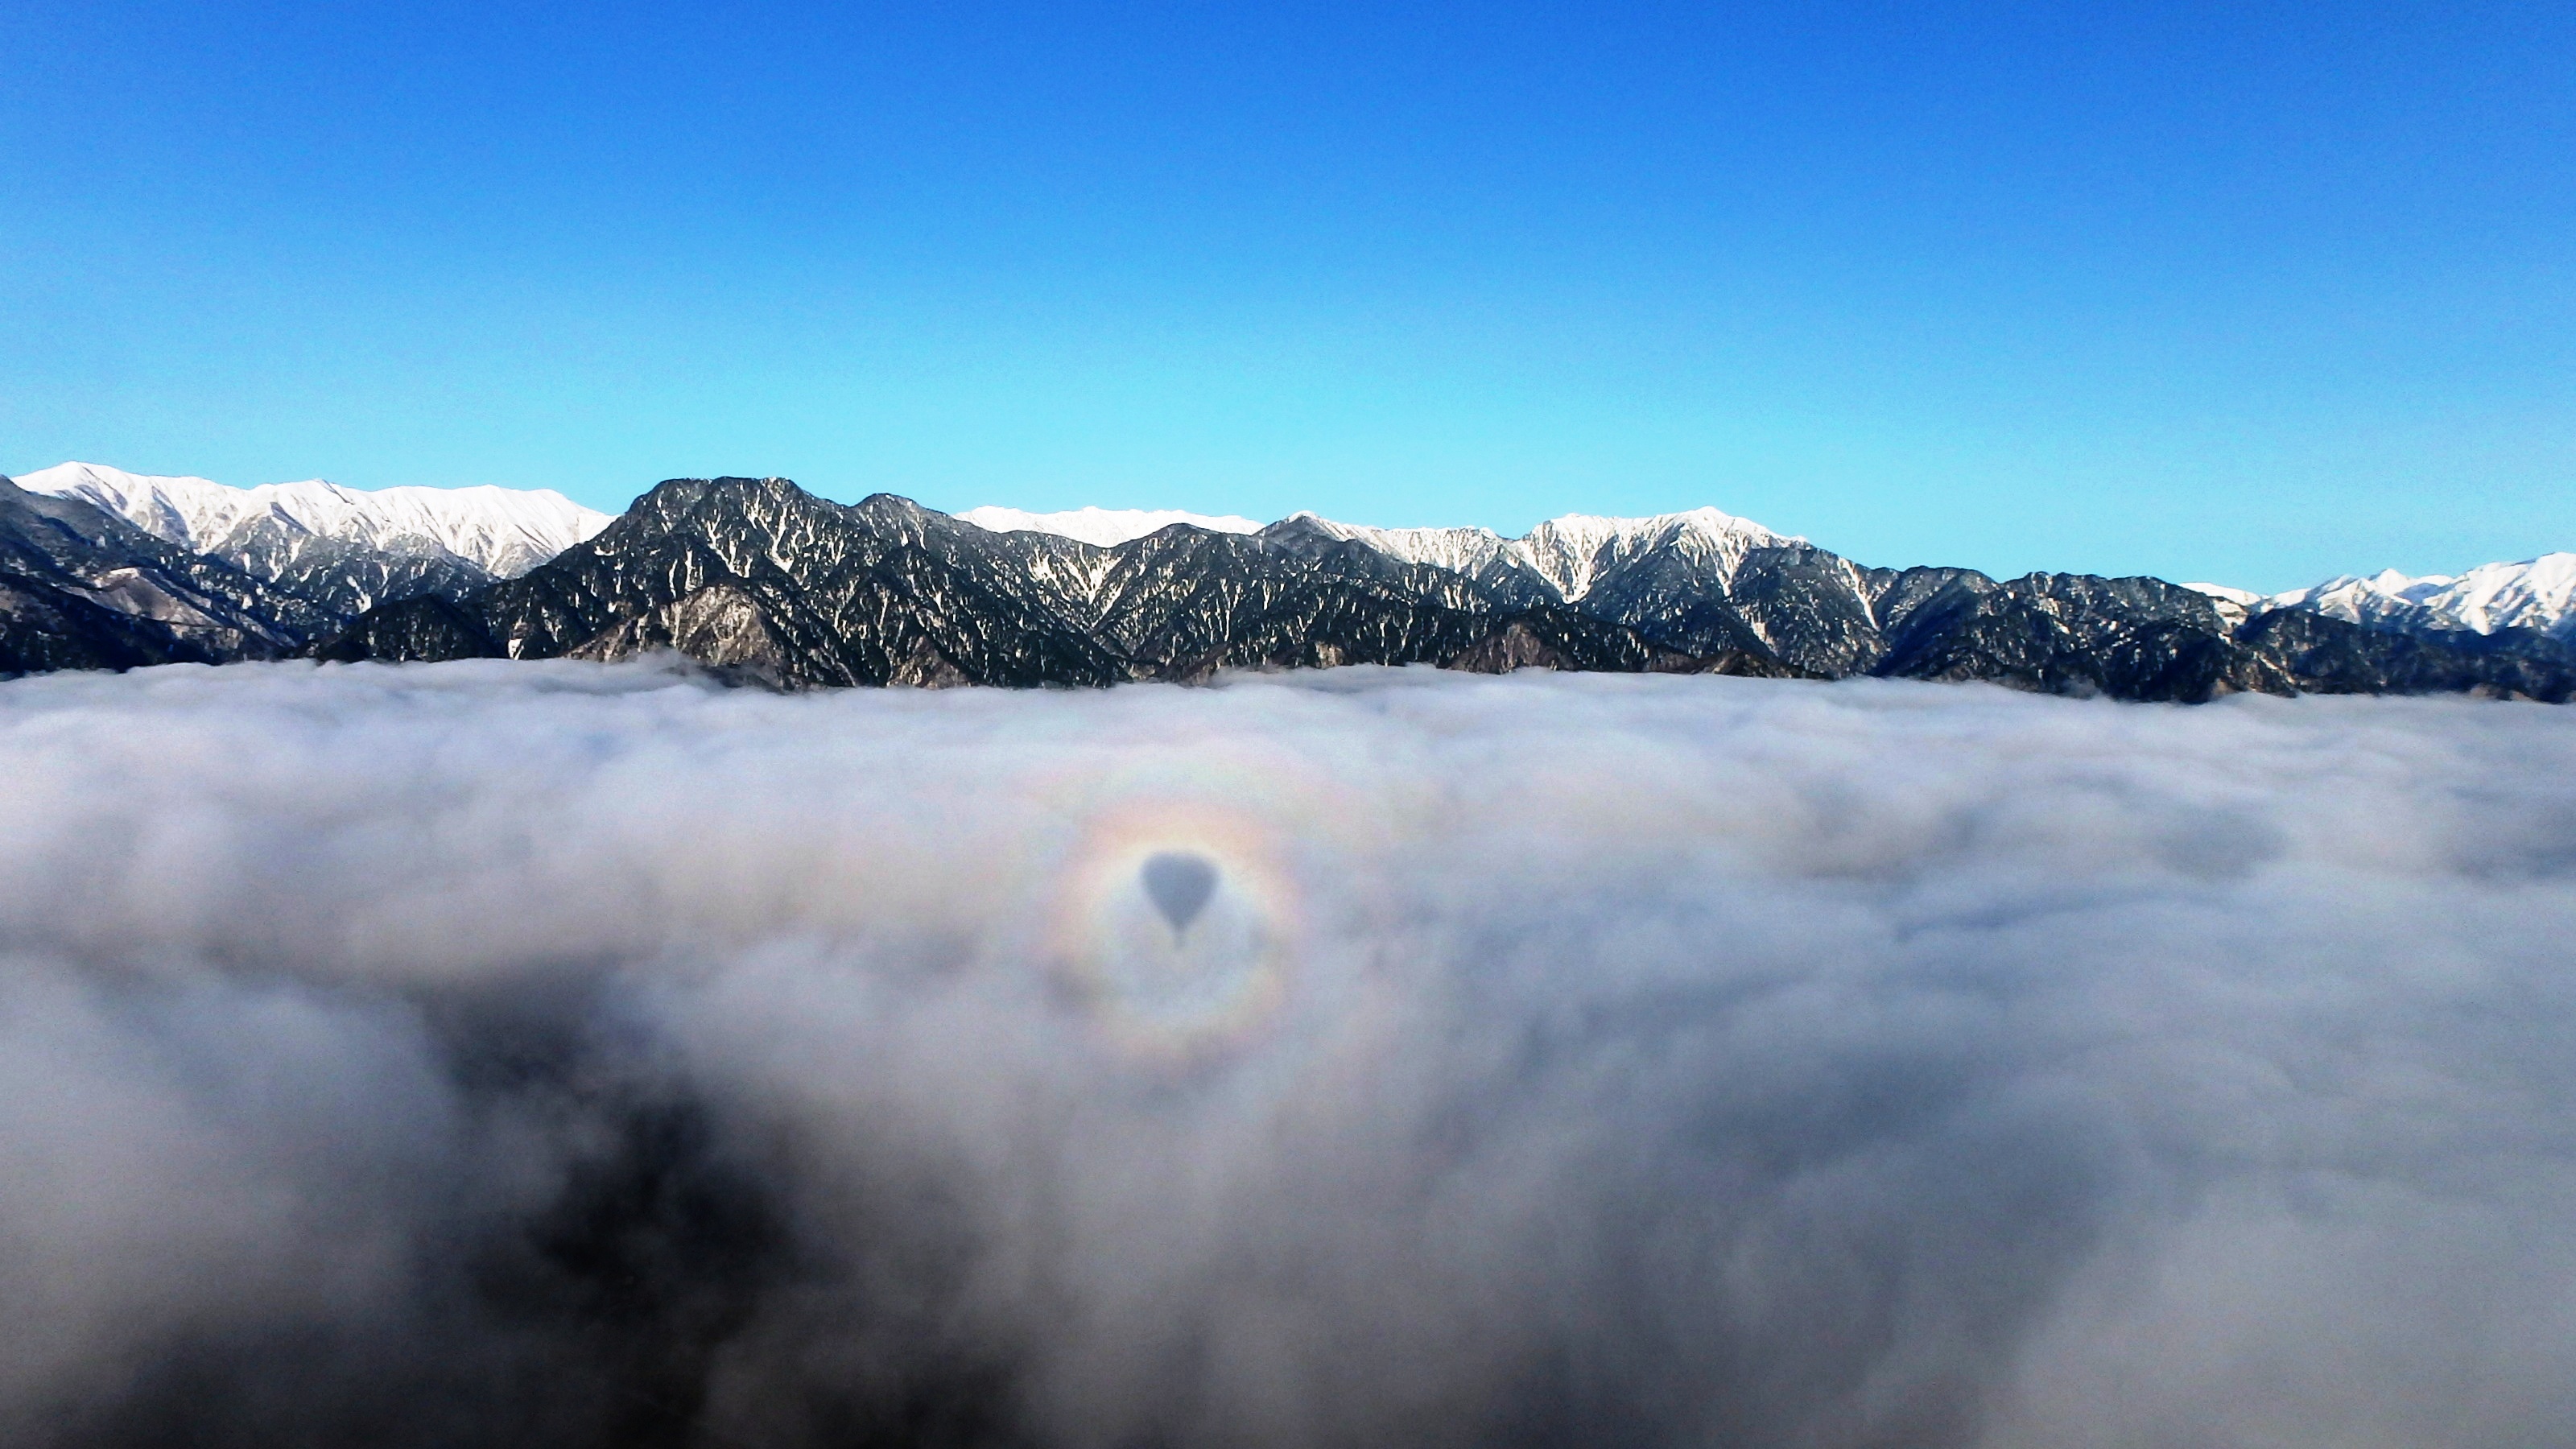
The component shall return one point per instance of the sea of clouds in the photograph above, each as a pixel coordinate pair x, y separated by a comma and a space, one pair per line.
593, 1055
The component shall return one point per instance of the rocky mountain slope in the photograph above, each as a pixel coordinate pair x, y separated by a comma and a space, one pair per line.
2537, 594
345, 549
81, 588
758, 576
1107, 527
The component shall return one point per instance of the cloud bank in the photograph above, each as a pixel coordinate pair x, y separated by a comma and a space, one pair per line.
587, 1055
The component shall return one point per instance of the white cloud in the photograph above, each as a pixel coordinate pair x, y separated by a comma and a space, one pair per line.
582, 1054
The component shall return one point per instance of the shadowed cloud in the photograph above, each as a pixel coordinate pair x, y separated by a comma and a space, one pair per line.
590, 1055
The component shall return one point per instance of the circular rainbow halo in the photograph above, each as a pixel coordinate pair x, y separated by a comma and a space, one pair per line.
1176, 928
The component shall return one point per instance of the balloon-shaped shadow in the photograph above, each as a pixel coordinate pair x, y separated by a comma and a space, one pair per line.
1179, 884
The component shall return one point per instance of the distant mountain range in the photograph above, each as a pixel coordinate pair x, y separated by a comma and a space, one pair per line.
2538, 595
102, 569
346, 549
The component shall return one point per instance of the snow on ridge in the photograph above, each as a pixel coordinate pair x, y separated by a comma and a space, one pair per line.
504, 531
1709, 522
2242, 598
2537, 593
2234, 605
174, 509
1571, 552
1105, 527
1576, 550
1459, 550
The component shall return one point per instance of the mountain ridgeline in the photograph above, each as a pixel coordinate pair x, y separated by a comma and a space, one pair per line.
81, 588
761, 579
104, 569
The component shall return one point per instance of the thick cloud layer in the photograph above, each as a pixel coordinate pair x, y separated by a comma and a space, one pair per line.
579, 1055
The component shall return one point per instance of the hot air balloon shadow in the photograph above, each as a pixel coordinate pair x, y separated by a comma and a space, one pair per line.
1180, 885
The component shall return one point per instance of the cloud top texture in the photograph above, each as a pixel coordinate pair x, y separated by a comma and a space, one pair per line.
492, 1053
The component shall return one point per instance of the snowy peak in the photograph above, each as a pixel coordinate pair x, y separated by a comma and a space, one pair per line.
174, 510
1459, 550
1571, 553
2234, 605
501, 531
2537, 594
1104, 527
2241, 598
2533, 594
1577, 551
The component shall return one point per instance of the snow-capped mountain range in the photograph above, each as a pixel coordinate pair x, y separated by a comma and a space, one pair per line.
503, 532
345, 549
1101, 527
2534, 594
100, 567
1570, 552
759, 577
1574, 552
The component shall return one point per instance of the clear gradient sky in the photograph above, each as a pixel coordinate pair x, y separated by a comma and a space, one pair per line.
2245, 292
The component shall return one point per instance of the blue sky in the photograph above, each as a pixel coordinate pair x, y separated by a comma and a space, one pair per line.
2255, 293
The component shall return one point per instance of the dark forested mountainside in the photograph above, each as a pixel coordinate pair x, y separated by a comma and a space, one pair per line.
83, 589
760, 577
347, 577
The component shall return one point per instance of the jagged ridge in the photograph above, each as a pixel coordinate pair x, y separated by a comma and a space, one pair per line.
344, 549
757, 576
86, 589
